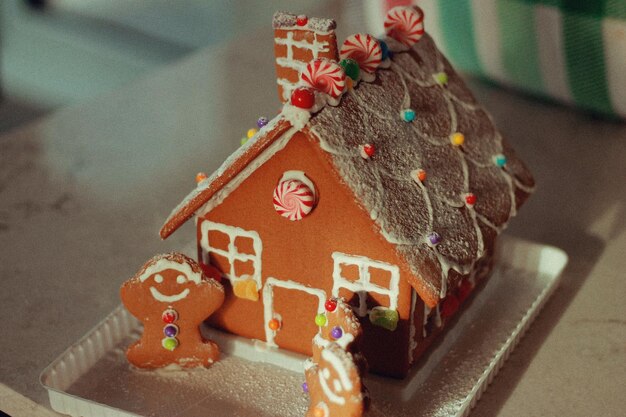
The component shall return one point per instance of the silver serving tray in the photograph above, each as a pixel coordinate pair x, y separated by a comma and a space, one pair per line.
93, 379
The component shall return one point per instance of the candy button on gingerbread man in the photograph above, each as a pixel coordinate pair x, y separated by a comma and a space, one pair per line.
171, 297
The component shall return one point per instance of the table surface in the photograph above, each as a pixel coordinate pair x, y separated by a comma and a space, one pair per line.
84, 192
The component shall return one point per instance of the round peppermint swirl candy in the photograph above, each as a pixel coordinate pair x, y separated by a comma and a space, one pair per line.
325, 76
405, 24
293, 199
364, 49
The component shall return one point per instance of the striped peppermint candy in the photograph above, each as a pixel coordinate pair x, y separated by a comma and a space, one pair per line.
405, 24
364, 49
325, 76
293, 199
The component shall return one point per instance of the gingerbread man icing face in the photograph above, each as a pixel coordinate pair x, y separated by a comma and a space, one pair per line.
335, 385
171, 297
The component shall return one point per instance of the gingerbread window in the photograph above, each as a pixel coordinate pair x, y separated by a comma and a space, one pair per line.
368, 279
238, 249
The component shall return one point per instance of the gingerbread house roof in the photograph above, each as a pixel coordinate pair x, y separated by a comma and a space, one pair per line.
441, 204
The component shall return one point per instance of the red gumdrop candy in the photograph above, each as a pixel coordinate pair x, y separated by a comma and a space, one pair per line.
330, 305
464, 290
302, 20
303, 97
449, 306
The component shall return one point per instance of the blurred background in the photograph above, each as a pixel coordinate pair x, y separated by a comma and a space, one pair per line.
59, 52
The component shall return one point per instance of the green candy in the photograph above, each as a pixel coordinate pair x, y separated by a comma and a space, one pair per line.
385, 318
320, 320
351, 68
441, 78
169, 343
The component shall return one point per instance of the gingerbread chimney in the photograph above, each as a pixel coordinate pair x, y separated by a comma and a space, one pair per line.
297, 41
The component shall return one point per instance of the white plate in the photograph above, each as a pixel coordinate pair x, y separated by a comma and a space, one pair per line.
93, 379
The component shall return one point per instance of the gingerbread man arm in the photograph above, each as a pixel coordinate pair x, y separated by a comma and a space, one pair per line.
210, 295
141, 305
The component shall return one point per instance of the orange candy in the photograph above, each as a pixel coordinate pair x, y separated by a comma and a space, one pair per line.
273, 324
200, 176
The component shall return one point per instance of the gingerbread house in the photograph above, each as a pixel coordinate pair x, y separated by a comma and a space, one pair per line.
382, 181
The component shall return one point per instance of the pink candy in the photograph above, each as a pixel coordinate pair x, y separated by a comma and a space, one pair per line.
405, 24
325, 76
364, 49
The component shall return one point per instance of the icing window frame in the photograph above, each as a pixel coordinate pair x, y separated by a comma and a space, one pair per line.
363, 285
232, 254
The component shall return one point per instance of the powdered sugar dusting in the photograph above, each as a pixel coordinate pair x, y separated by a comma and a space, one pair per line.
283, 20
407, 212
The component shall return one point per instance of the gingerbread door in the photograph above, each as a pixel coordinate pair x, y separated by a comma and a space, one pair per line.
289, 311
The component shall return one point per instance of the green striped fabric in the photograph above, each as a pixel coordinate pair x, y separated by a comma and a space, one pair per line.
571, 50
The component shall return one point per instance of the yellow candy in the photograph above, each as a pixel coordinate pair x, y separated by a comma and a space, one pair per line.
457, 139
246, 289
252, 132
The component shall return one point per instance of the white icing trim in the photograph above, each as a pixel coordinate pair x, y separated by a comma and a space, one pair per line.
362, 286
163, 264
268, 301
275, 147
288, 61
232, 254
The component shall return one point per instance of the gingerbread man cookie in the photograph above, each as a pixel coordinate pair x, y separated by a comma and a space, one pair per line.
171, 297
334, 385
337, 324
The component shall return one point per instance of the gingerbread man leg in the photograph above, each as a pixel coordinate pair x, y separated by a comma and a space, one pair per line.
171, 297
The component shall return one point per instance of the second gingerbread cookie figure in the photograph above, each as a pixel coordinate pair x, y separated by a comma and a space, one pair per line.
171, 297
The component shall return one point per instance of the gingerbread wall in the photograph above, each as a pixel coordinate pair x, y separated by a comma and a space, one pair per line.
301, 252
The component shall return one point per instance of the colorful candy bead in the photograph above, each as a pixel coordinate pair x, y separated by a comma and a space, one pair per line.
303, 97
419, 174
305, 387
405, 24
336, 332
171, 330
273, 324
470, 199
330, 305
367, 151
169, 343
385, 318
169, 316
384, 49
320, 320
499, 160
319, 412
364, 49
441, 78
351, 68
200, 176
457, 138
325, 76
251, 133
302, 20
262, 122
434, 238
293, 199
408, 115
